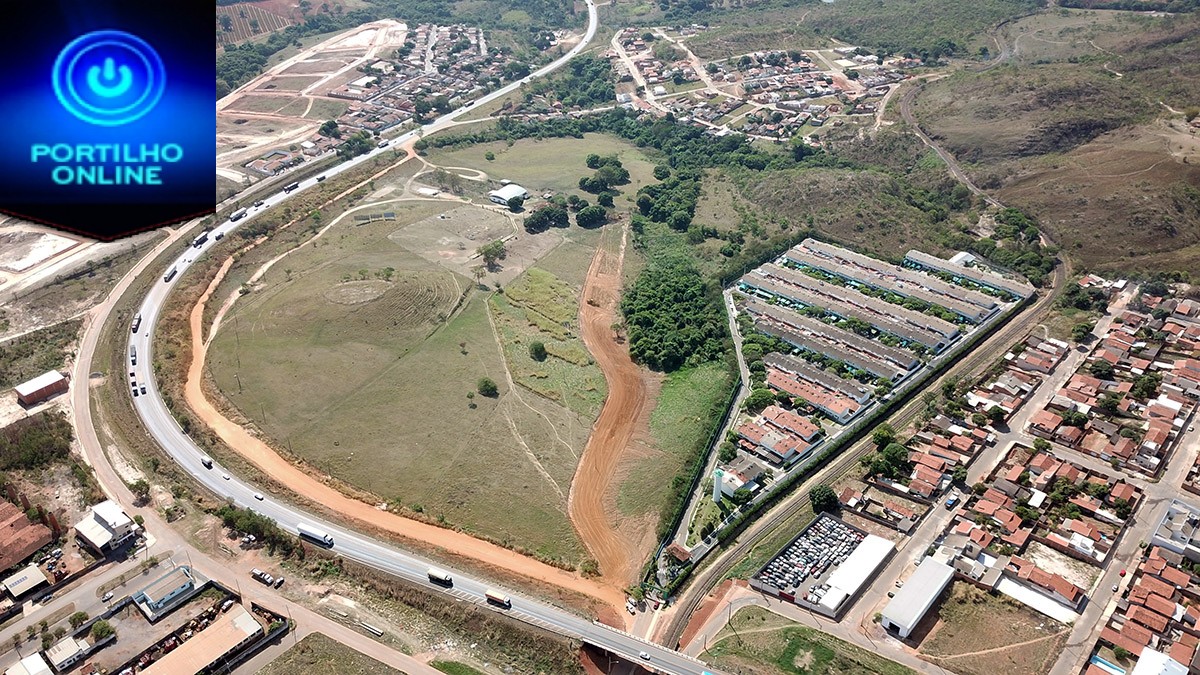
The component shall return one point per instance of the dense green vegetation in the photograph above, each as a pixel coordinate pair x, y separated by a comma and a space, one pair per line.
674, 317
586, 81
528, 19
262, 527
34, 442
34, 353
1173, 6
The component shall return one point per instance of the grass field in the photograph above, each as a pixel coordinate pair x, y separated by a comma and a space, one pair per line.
326, 109
370, 375
455, 668
679, 422
971, 621
317, 653
539, 306
259, 104
761, 643
554, 164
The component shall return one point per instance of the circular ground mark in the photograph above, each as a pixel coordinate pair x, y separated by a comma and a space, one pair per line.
356, 292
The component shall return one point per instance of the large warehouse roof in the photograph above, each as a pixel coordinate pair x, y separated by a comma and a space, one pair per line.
862, 563
906, 610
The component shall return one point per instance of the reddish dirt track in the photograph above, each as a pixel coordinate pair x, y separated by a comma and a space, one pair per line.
614, 427
271, 463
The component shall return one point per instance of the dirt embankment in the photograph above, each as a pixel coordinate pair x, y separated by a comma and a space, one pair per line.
295, 479
625, 406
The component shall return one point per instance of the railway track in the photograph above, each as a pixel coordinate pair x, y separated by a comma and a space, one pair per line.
971, 366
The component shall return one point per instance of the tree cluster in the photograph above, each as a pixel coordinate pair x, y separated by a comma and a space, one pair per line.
891, 462
673, 201
586, 81
551, 215
674, 317
263, 528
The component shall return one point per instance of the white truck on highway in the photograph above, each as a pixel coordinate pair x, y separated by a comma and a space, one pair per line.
496, 597
438, 576
316, 534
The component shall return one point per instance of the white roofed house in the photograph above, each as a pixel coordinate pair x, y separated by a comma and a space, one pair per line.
106, 527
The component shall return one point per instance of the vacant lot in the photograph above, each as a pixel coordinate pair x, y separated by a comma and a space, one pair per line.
34, 353
984, 634
362, 357
317, 653
540, 307
761, 643
246, 21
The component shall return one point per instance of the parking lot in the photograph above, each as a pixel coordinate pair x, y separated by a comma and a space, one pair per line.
801, 570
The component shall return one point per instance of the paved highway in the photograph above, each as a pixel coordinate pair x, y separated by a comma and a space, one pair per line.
167, 433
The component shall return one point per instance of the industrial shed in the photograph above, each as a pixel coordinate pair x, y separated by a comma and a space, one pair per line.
507, 192
920, 592
41, 388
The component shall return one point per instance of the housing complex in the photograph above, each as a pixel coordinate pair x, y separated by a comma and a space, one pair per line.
770, 94
1155, 618
1131, 400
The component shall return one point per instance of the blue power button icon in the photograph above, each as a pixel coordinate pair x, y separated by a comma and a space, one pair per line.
108, 78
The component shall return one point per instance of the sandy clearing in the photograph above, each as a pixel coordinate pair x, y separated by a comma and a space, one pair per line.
613, 430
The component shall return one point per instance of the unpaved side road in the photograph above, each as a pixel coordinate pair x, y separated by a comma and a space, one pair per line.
614, 428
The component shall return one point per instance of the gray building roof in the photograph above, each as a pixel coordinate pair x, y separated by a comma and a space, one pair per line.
971, 305
804, 290
981, 276
806, 371
922, 589
874, 366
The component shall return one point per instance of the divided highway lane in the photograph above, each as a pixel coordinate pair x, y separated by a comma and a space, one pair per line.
167, 433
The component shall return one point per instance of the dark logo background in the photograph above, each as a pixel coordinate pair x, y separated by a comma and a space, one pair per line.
180, 32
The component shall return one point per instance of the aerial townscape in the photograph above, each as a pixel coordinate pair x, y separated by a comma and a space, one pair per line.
685, 337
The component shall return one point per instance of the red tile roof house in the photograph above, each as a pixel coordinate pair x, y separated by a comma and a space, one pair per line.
1044, 424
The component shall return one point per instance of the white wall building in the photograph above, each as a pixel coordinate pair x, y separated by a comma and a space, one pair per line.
920, 592
106, 527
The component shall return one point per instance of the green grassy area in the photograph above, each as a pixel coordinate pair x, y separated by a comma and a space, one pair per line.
317, 653
455, 668
759, 642
681, 421
539, 306
351, 355
326, 109
554, 164
34, 353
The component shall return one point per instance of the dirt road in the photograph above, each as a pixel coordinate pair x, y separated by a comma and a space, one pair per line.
614, 427
268, 461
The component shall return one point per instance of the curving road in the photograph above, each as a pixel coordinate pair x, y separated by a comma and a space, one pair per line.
167, 433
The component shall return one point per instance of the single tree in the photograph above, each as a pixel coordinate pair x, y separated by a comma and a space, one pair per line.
823, 498
102, 629
487, 387
515, 203
492, 253
140, 489
537, 351
883, 434
78, 619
